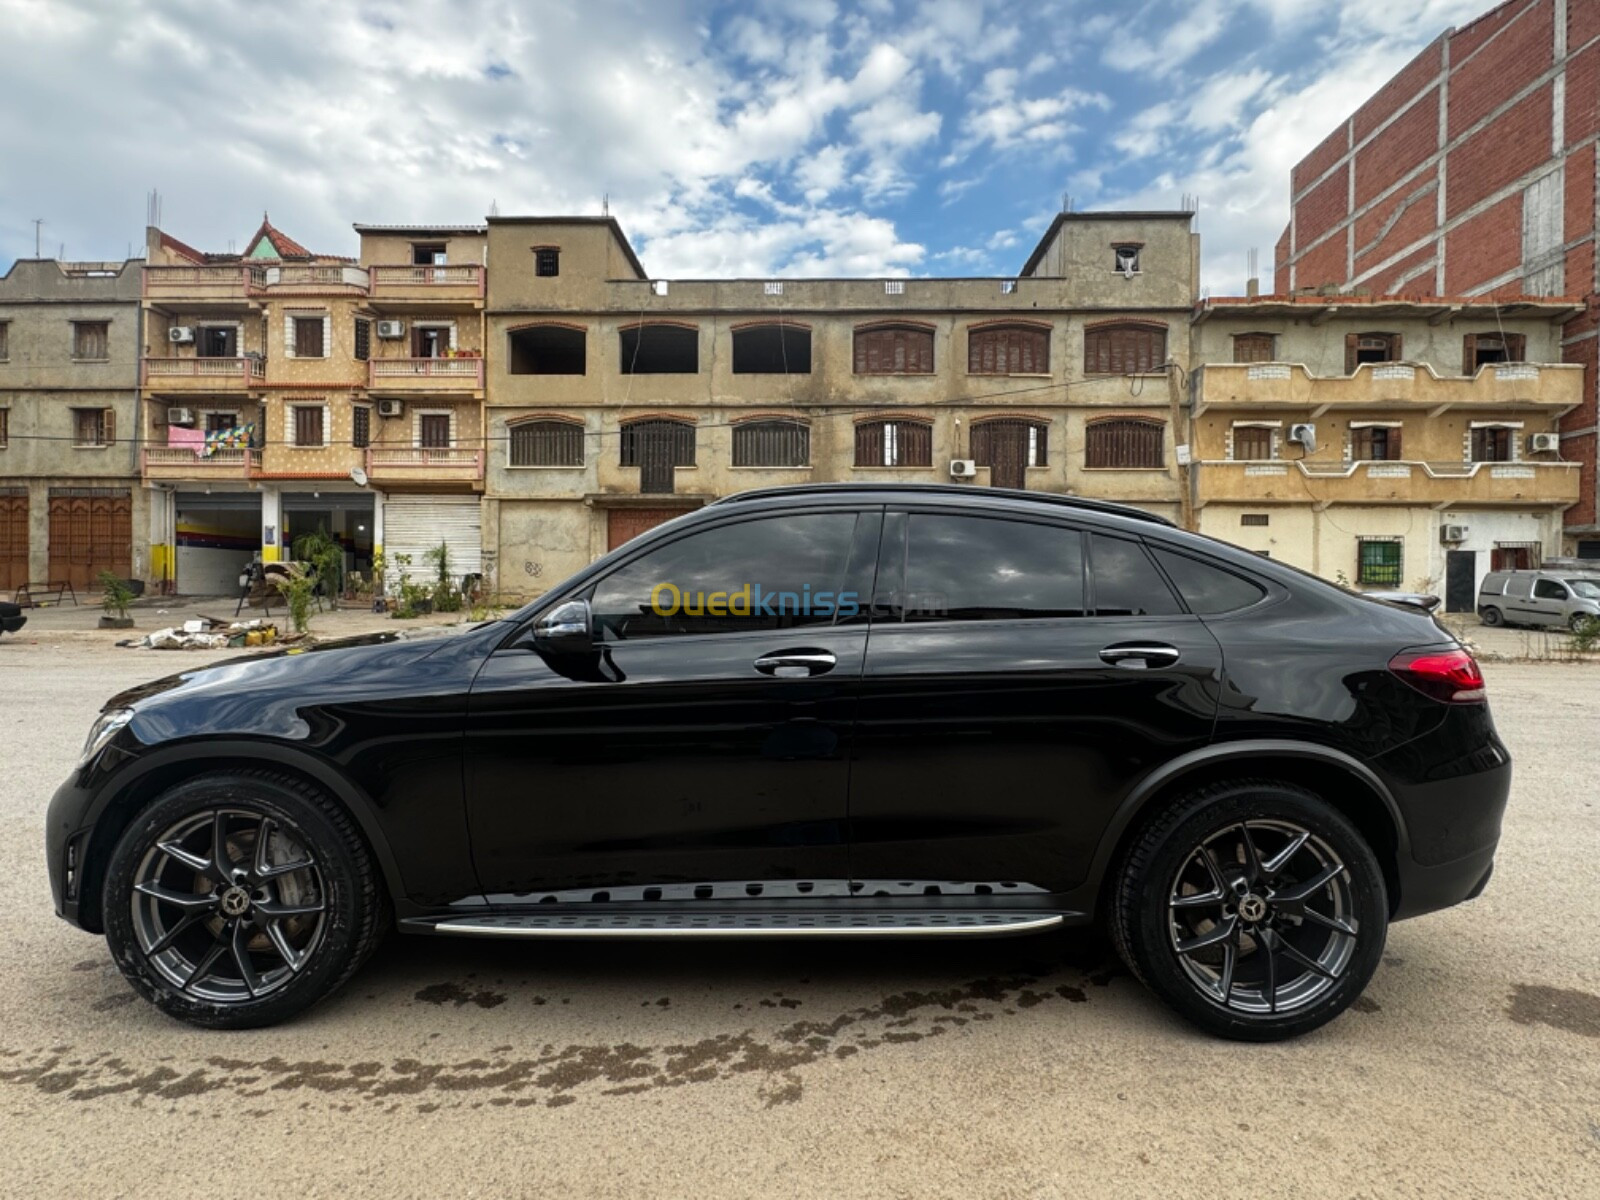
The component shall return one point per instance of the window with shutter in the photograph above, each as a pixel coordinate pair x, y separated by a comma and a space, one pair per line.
308, 337
91, 340
1251, 442
1252, 347
308, 429
1124, 348
433, 431
771, 444
1370, 348
1492, 443
894, 444
1008, 350
1479, 350
894, 350
89, 427
1125, 443
1375, 444
546, 444
361, 427
363, 339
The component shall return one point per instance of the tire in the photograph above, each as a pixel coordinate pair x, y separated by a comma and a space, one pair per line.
1166, 863
1491, 616
292, 925
1577, 621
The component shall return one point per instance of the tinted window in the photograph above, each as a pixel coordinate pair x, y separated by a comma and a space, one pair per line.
1207, 589
975, 569
769, 574
1126, 582
1549, 589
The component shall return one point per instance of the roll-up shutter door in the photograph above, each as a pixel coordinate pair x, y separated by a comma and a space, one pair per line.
413, 525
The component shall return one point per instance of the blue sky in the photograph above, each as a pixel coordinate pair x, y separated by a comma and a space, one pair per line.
820, 137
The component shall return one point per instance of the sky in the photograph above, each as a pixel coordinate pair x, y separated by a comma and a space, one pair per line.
752, 138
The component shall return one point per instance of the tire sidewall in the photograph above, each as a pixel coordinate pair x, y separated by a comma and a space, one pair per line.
1159, 962
1492, 617
329, 962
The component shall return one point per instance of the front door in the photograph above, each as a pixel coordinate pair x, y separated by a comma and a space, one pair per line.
1460, 580
1007, 451
625, 524
13, 539
706, 738
91, 530
1020, 679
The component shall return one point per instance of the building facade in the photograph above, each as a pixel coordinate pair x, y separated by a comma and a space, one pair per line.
1473, 173
1390, 442
288, 392
70, 500
616, 401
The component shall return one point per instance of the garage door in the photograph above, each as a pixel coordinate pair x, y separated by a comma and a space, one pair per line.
91, 530
413, 525
13, 539
624, 524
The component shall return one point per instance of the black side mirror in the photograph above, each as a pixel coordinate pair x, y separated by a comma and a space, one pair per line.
567, 628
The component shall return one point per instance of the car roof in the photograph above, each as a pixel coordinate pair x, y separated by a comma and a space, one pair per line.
889, 492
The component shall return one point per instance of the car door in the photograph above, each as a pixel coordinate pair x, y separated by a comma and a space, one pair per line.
1520, 606
705, 738
1022, 675
1550, 600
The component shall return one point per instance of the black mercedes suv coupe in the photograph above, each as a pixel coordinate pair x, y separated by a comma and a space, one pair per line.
854, 711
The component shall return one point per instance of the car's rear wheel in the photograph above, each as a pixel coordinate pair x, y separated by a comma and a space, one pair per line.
1491, 616
238, 900
1256, 910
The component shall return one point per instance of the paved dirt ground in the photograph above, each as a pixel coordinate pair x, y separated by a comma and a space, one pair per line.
1031, 1068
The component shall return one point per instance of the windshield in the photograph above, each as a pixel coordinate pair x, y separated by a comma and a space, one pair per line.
1586, 589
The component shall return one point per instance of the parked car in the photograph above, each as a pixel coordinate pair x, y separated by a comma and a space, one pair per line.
1559, 598
833, 711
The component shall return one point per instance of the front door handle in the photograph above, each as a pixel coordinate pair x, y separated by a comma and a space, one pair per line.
1138, 656
796, 664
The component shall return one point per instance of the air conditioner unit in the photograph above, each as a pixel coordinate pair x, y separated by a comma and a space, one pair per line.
181, 335
1452, 533
391, 408
1544, 443
1304, 435
180, 416
391, 329
963, 468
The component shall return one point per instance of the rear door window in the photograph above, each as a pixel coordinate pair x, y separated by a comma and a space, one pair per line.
987, 569
1125, 581
1207, 590
1549, 589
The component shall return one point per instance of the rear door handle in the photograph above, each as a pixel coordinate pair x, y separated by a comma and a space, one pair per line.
796, 664
1138, 656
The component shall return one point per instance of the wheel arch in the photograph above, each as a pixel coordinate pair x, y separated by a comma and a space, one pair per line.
1347, 784
167, 766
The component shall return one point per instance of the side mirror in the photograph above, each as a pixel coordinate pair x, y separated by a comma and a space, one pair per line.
566, 629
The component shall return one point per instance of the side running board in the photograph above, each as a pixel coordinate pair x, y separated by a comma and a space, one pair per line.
930, 923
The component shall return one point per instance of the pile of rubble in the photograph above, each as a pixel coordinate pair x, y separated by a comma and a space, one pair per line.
209, 633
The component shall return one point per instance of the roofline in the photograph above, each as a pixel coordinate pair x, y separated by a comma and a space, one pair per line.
1131, 214
1554, 308
1105, 507
359, 227
616, 232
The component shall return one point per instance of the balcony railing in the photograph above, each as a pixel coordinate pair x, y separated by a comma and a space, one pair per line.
313, 276
1292, 386
1447, 482
203, 373
393, 280
181, 462
435, 374
441, 462
197, 283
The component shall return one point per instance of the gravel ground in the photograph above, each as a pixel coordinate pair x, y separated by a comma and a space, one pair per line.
1031, 1068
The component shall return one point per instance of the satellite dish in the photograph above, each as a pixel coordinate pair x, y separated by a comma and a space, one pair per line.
358, 477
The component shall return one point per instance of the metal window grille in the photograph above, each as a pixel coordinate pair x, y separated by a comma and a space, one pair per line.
547, 444
771, 444
1379, 562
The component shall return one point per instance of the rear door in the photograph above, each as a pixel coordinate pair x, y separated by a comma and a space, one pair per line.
1520, 607
1021, 677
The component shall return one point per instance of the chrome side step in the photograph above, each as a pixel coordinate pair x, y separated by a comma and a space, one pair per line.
930, 923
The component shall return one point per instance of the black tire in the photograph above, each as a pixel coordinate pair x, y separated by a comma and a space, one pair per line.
1577, 621
1491, 616
1166, 858
321, 946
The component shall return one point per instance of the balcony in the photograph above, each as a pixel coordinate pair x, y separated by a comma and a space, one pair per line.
427, 285
231, 285
1552, 387
1437, 484
428, 376
419, 464
182, 463
312, 277
203, 376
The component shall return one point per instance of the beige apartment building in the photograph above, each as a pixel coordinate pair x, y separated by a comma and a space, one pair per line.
617, 401
1391, 442
70, 500
288, 391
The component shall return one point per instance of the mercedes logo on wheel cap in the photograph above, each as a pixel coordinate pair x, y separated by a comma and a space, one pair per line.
235, 902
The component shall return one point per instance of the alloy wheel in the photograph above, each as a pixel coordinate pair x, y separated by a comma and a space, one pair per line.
1261, 917
228, 905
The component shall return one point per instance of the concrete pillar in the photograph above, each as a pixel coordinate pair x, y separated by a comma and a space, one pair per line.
272, 549
377, 533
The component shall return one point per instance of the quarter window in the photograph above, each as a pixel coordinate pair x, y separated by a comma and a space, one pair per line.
1126, 582
979, 569
1207, 590
779, 573
547, 444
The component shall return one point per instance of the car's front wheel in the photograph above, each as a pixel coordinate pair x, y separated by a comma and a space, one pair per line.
1255, 909
238, 900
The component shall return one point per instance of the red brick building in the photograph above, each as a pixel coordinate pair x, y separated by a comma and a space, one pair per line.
1472, 173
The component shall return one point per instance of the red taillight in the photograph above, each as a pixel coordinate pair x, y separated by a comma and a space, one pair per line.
1450, 675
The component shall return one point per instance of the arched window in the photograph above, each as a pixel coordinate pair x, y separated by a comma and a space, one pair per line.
775, 349
1370, 348
1124, 348
660, 349
543, 443
771, 444
657, 446
1125, 443
894, 444
1008, 350
894, 349
547, 349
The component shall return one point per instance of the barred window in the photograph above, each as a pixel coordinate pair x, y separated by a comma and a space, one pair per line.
1027, 440
1124, 348
673, 441
1378, 562
771, 444
1127, 443
894, 350
547, 444
894, 444
361, 427
547, 262
363, 339
1008, 350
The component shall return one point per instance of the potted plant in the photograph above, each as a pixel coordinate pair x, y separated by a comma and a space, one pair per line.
115, 596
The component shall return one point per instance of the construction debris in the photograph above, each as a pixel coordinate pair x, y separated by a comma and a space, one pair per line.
208, 633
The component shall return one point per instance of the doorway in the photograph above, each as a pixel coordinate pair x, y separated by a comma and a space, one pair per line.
1460, 581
